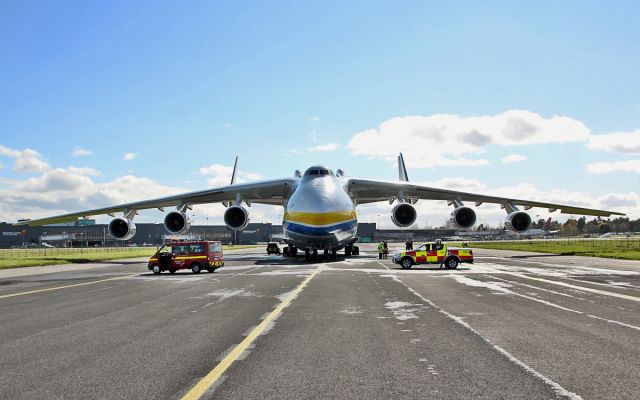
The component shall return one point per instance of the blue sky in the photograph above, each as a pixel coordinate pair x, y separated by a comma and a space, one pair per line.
187, 87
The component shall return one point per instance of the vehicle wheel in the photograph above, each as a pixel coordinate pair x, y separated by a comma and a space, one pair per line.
156, 269
196, 268
172, 271
451, 263
406, 263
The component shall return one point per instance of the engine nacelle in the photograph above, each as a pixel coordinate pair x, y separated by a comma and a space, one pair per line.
463, 217
518, 221
403, 215
236, 218
177, 222
122, 228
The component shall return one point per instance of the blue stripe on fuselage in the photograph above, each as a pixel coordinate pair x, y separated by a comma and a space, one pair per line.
320, 231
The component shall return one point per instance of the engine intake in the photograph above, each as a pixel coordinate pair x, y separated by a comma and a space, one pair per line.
403, 215
122, 228
236, 218
463, 217
518, 221
177, 222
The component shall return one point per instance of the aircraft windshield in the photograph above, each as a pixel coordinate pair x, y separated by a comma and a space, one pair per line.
318, 171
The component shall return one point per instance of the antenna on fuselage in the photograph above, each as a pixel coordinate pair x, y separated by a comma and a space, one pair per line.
233, 175
402, 170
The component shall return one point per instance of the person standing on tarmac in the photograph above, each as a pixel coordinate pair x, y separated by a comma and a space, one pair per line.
385, 249
380, 249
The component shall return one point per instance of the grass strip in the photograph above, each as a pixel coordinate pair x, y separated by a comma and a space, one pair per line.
18, 258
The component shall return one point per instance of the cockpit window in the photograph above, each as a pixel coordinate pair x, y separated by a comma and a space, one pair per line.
318, 171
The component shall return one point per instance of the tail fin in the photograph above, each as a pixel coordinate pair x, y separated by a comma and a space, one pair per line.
547, 224
402, 170
233, 175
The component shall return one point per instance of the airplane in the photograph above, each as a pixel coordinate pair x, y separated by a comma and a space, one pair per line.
538, 232
319, 208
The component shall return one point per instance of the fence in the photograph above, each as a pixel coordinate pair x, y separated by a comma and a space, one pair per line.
622, 243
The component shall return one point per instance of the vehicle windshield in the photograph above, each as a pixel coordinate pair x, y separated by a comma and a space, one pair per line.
215, 247
165, 249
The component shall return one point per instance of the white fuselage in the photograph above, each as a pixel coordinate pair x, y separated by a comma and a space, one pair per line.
320, 214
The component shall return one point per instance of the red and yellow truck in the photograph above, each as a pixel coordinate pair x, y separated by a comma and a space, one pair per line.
434, 253
196, 256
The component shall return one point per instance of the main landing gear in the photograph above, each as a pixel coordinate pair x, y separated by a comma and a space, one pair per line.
351, 250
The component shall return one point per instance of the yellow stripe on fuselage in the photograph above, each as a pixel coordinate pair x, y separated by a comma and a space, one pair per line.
320, 219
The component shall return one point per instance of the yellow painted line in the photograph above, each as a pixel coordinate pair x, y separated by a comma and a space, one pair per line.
212, 377
6, 296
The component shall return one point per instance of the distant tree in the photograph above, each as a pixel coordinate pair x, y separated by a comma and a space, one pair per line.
582, 222
570, 228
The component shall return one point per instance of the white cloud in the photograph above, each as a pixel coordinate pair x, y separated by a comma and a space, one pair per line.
621, 142
452, 140
26, 161
129, 156
228, 125
617, 166
513, 158
324, 147
314, 119
80, 151
220, 175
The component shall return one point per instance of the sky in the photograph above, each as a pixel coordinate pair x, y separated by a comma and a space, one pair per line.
110, 102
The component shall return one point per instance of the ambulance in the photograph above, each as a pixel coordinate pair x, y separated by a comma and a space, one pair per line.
196, 256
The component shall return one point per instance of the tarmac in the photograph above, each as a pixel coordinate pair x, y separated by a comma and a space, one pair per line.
512, 325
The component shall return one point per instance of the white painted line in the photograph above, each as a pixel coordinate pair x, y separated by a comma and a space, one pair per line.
559, 390
581, 288
492, 286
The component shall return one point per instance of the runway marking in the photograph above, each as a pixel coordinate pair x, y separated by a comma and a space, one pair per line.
559, 390
214, 375
492, 286
6, 296
582, 288
387, 268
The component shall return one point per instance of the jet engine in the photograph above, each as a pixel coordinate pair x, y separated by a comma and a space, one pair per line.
463, 217
403, 215
236, 218
518, 221
122, 228
177, 222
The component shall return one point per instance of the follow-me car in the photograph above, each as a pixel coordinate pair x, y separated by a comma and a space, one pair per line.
319, 207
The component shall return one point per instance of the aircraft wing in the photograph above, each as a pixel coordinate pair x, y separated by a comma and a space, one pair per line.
273, 192
368, 191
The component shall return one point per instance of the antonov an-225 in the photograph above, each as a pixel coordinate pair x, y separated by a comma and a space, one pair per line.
319, 207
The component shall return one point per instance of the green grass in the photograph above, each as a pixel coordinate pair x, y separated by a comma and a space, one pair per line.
16, 258
624, 249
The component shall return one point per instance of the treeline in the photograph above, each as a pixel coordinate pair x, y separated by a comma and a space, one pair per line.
581, 226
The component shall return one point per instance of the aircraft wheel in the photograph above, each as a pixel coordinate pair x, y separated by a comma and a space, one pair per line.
172, 271
347, 251
156, 269
451, 263
210, 270
196, 268
334, 254
356, 251
307, 255
406, 263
